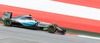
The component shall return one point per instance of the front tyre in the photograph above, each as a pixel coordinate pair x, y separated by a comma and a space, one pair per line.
7, 22
51, 29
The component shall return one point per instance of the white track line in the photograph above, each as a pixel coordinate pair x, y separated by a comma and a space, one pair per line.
88, 37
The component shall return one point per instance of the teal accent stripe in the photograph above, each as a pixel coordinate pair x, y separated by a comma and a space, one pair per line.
28, 23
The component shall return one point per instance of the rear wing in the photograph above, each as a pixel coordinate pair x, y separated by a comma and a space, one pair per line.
6, 15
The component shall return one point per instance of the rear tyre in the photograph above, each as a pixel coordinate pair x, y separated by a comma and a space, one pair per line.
7, 22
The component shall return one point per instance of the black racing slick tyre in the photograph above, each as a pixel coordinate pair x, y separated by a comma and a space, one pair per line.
7, 22
51, 29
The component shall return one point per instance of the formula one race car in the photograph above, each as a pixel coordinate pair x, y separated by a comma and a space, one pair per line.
27, 21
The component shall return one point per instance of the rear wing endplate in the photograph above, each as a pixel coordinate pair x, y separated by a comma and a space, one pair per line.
6, 15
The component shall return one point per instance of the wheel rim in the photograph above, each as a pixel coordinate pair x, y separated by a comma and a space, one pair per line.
7, 22
51, 29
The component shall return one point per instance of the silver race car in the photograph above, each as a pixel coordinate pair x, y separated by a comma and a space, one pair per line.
27, 21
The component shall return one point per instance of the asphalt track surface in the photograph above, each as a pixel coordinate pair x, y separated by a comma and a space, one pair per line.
21, 35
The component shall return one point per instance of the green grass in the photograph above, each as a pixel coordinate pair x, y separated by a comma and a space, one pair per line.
0, 20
